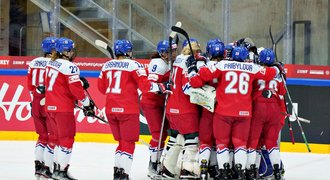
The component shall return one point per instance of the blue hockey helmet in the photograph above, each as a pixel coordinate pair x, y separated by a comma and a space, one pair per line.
64, 44
210, 42
48, 44
163, 46
240, 54
267, 56
216, 49
185, 42
122, 47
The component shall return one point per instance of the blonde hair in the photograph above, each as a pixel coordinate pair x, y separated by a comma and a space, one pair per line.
195, 47
54, 56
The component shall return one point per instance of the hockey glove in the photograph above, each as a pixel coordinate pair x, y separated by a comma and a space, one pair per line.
267, 93
191, 64
200, 57
280, 67
41, 89
89, 110
165, 87
85, 83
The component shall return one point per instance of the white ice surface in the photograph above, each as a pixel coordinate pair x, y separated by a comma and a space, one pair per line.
94, 161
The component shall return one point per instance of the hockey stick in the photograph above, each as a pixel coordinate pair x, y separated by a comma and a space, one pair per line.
300, 119
172, 35
104, 45
274, 49
185, 34
289, 97
95, 116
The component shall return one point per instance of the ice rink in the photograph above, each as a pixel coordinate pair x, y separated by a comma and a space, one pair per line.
94, 161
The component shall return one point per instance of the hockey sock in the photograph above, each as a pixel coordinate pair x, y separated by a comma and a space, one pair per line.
240, 156
274, 156
153, 153
231, 157
64, 155
251, 158
204, 152
49, 156
126, 160
223, 157
39, 152
258, 158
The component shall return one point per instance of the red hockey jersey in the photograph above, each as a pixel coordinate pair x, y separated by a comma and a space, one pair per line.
63, 86
36, 73
233, 92
120, 80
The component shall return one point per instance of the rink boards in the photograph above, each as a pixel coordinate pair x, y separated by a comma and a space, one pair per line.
310, 94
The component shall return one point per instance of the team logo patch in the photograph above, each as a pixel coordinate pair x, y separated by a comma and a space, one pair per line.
117, 109
244, 113
51, 108
176, 111
263, 70
73, 79
141, 72
153, 77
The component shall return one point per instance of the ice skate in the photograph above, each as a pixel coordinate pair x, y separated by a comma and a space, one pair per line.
116, 173
252, 173
38, 169
167, 174
239, 172
225, 173
45, 173
204, 170
188, 175
277, 172
213, 171
152, 169
62, 175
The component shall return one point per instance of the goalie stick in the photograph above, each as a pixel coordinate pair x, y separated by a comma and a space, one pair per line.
104, 45
290, 100
172, 35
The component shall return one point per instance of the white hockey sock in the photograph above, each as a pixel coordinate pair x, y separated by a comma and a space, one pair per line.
274, 156
56, 150
223, 157
39, 152
258, 158
126, 161
240, 156
153, 153
117, 159
204, 153
49, 157
251, 158
64, 156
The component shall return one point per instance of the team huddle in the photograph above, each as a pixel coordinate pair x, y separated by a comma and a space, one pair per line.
220, 109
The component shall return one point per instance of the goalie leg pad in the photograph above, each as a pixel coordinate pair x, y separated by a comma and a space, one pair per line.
172, 153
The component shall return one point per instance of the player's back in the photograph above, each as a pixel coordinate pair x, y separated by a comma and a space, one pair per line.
120, 81
36, 73
235, 87
158, 71
178, 102
59, 74
275, 88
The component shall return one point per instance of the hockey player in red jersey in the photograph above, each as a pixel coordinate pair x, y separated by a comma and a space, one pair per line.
44, 149
183, 117
119, 80
207, 152
266, 118
63, 88
233, 111
153, 104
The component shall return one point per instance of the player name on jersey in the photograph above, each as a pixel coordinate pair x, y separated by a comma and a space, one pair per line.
236, 65
55, 64
117, 64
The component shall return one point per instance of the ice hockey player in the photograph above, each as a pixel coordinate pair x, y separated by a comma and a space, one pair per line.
63, 88
233, 111
153, 104
207, 150
183, 118
44, 149
119, 80
266, 118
